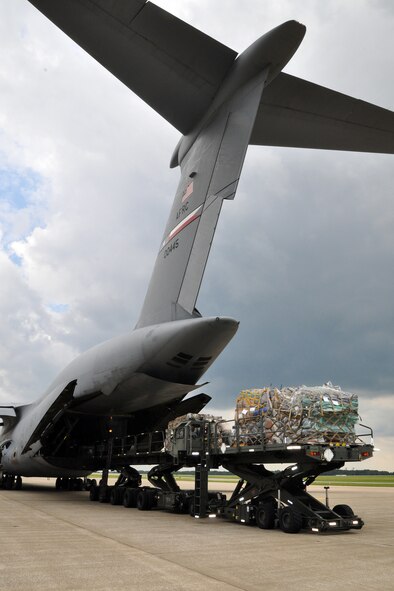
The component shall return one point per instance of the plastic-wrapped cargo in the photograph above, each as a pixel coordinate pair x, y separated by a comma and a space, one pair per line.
317, 414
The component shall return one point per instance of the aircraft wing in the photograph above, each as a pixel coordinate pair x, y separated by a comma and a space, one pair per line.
7, 412
297, 113
8, 416
172, 66
178, 70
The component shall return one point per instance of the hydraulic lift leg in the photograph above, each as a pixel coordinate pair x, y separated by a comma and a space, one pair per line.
201, 490
104, 491
162, 477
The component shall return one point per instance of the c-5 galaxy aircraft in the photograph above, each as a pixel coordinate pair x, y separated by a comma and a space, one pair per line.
220, 102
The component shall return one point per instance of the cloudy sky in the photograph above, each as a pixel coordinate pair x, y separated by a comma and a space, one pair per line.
303, 257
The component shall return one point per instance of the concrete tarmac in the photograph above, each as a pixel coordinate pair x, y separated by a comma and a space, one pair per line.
61, 541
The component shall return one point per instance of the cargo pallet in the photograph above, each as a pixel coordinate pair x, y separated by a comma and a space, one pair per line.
261, 497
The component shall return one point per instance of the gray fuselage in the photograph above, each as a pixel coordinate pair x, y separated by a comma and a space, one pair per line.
145, 368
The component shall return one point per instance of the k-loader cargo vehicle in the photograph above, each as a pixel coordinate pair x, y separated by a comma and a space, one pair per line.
261, 497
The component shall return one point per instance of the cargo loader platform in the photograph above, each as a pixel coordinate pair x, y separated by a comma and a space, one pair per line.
261, 497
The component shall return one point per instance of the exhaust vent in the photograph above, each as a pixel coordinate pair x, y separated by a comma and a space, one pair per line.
182, 359
179, 360
201, 362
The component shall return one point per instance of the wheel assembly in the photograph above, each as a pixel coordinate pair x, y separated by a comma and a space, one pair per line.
265, 515
289, 521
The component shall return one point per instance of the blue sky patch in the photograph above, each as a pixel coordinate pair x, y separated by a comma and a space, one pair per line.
16, 259
22, 208
17, 186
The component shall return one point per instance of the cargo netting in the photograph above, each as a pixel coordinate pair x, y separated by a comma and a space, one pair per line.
318, 414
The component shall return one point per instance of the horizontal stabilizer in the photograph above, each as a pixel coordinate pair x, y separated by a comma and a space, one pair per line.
297, 113
178, 71
169, 64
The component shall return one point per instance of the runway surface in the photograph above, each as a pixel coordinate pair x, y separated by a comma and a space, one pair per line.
61, 541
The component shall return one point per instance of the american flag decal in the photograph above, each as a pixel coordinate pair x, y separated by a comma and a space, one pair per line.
179, 227
188, 192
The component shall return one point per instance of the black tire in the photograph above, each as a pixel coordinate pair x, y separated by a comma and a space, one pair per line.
289, 521
191, 507
116, 495
144, 500
94, 493
121, 492
65, 484
18, 483
130, 497
265, 515
183, 506
113, 497
343, 510
9, 482
89, 483
104, 493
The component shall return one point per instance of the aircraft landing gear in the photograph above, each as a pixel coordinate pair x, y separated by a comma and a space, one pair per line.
64, 483
10, 482
128, 480
104, 490
88, 483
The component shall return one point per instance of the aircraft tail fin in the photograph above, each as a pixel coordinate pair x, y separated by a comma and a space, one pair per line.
216, 99
210, 174
211, 159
